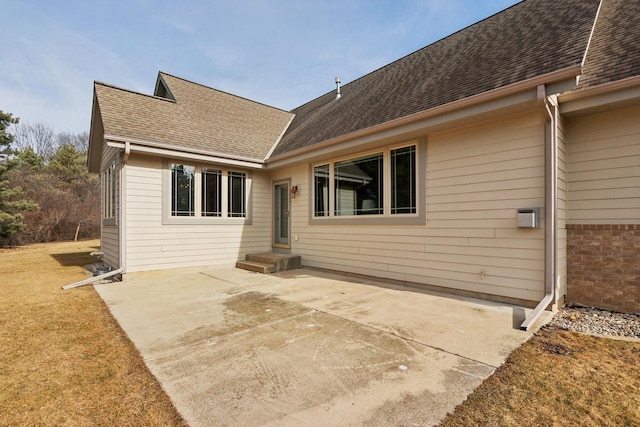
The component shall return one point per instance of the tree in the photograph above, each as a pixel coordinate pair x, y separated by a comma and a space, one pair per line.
68, 164
29, 159
11, 202
79, 140
68, 196
40, 137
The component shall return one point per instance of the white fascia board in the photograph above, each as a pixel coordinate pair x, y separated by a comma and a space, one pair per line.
136, 147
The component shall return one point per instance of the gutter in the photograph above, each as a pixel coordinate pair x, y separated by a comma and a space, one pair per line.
150, 147
550, 220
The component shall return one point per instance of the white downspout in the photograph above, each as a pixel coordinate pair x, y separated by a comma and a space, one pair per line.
121, 208
550, 220
93, 279
121, 234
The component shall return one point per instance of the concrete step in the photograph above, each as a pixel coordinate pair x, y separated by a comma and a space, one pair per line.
280, 262
258, 267
277, 262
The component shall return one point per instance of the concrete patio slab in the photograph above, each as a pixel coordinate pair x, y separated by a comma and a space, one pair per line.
232, 347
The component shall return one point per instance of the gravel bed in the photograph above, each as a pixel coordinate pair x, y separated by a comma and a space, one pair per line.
595, 321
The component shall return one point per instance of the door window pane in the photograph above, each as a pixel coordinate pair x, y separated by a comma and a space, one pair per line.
403, 180
359, 186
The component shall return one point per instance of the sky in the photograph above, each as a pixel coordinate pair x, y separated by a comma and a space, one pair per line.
278, 52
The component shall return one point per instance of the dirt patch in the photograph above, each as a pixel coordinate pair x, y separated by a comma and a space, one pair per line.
64, 359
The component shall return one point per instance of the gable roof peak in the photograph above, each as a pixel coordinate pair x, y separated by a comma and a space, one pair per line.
134, 92
164, 75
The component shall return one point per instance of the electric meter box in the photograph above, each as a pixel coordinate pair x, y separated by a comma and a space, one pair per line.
528, 218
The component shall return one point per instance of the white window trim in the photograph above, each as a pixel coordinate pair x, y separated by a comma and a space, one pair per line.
168, 219
387, 218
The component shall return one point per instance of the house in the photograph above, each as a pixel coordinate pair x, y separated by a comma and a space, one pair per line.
502, 161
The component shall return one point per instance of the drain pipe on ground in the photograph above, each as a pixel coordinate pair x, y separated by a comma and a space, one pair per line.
551, 189
90, 280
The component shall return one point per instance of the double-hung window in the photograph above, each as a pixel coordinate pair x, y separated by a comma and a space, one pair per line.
379, 184
205, 193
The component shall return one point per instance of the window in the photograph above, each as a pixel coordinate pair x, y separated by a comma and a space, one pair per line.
380, 184
204, 194
358, 186
403, 180
211, 192
109, 192
237, 194
182, 190
321, 190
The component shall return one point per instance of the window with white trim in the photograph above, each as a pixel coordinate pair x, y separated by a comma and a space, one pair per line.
358, 186
197, 192
236, 194
211, 192
403, 180
382, 183
182, 190
109, 192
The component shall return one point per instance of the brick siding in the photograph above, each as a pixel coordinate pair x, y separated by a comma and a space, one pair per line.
603, 263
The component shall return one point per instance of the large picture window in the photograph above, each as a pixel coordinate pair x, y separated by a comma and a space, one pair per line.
205, 193
378, 184
359, 186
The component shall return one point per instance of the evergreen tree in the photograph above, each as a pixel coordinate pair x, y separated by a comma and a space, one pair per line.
68, 164
11, 202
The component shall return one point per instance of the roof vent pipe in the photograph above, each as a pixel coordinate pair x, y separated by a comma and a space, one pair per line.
338, 87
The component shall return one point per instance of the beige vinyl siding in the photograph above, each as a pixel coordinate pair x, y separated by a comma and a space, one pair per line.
476, 180
109, 234
561, 224
604, 167
154, 246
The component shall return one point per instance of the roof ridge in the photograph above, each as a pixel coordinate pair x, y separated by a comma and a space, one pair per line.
112, 86
222, 91
345, 86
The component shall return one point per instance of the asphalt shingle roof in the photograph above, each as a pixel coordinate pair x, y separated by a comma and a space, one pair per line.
200, 118
614, 53
529, 39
